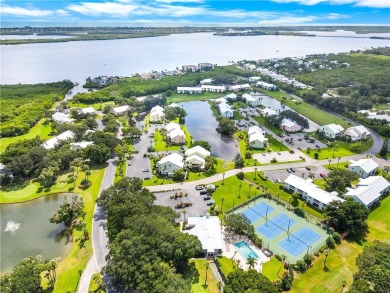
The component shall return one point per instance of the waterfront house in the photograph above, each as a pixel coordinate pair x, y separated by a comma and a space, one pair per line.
169, 164
380, 117
190, 68
225, 110
266, 86
331, 131
195, 162
369, 190
198, 151
121, 110
251, 101
239, 87
175, 134
220, 101
356, 133
61, 118
188, 90
231, 97
53, 142
256, 138
146, 76
157, 114
206, 66
208, 230
363, 167
310, 192
290, 126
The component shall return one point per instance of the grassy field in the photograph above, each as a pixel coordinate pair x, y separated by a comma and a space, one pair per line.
96, 285
319, 116
196, 274
40, 129
227, 265
272, 268
340, 149
341, 266
379, 222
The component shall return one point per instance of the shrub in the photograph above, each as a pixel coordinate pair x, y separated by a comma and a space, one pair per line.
299, 212
278, 257
316, 155
274, 160
330, 242
240, 175
336, 237
300, 266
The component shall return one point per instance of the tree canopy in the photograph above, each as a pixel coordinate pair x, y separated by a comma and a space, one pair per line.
204, 144
251, 281
339, 179
145, 241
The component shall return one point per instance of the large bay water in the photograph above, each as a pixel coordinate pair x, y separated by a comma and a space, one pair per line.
26, 231
33, 63
202, 124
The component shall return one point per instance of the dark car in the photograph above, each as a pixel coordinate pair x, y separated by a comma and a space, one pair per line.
207, 198
308, 168
288, 170
203, 192
146, 170
211, 202
199, 187
292, 170
323, 175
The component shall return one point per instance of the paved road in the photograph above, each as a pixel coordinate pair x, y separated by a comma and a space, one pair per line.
139, 162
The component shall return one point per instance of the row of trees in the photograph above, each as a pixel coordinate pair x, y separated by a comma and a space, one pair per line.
147, 251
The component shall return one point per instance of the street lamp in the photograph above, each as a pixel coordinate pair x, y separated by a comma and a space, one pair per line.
255, 173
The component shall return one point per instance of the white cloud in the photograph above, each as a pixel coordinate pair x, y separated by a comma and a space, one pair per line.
180, 1
31, 12
288, 20
336, 16
363, 3
105, 8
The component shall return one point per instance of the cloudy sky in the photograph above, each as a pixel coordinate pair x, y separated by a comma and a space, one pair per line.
199, 12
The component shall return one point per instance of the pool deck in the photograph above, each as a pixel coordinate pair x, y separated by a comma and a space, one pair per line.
230, 251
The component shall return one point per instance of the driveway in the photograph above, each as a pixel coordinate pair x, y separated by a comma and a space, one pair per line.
282, 174
283, 157
197, 209
139, 162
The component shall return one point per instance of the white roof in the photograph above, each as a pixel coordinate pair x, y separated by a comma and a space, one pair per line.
174, 159
368, 189
249, 98
89, 110
231, 96
269, 111
157, 108
187, 88
174, 105
287, 122
195, 158
172, 126
208, 230
335, 128
80, 145
207, 80
257, 136
220, 100
176, 132
51, 143
215, 87
367, 165
197, 149
385, 117
121, 109
254, 129
223, 108
311, 189
266, 84
61, 118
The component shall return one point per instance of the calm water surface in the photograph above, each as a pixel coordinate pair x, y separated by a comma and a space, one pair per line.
201, 124
33, 63
35, 234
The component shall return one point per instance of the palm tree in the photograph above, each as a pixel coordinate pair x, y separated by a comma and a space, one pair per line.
223, 178
251, 261
222, 199
255, 173
85, 168
207, 265
338, 161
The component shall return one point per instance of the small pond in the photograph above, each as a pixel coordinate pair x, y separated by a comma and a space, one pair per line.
202, 123
26, 231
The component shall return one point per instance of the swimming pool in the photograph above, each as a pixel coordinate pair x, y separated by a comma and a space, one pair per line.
246, 251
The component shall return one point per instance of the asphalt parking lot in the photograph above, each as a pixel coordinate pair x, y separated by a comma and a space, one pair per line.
283, 173
199, 206
300, 142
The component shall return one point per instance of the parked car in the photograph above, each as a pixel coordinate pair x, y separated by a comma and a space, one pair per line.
323, 175
199, 187
202, 192
263, 154
308, 168
292, 170
147, 177
211, 202
146, 170
279, 153
288, 170
207, 198
278, 180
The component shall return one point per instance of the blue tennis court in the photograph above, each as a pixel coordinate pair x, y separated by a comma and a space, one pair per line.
299, 241
258, 211
275, 226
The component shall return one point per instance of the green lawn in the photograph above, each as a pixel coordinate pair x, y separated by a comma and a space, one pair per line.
379, 222
39, 129
178, 98
340, 149
160, 144
275, 145
96, 285
120, 174
341, 264
319, 116
272, 268
238, 115
196, 274
227, 265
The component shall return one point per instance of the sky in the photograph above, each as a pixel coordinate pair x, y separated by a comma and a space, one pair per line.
197, 12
